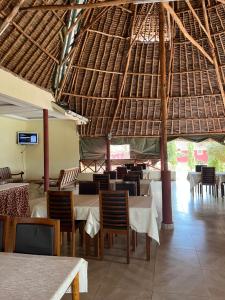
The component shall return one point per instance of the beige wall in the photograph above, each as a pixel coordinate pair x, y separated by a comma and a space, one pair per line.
63, 146
11, 155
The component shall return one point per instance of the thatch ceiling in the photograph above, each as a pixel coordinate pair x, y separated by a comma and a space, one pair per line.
112, 73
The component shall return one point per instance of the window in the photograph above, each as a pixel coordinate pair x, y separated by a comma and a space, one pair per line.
120, 151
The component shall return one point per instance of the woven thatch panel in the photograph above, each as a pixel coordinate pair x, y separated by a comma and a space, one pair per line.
30, 46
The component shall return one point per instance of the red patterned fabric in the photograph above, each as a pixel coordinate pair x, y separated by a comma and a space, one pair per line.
14, 202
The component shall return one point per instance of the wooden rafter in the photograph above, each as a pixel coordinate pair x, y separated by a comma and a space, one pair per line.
124, 75
77, 6
184, 31
218, 74
72, 53
11, 16
199, 21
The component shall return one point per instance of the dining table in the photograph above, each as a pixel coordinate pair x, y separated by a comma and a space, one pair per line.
195, 178
41, 277
14, 199
143, 213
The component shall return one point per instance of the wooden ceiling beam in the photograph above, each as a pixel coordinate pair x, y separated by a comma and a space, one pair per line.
184, 31
11, 16
218, 74
77, 6
199, 21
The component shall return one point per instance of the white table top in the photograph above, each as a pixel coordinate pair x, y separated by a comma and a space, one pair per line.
36, 277
7, 186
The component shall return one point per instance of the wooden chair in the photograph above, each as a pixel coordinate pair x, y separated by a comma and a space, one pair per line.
143, 166
114, 217
36, 236
129, 186
6, 175
136, 173
121, 172
129, 166
4, 227
112, 174
60, 205
103, 180
137, 168
135, 178
89, 187
198, 168
209, 179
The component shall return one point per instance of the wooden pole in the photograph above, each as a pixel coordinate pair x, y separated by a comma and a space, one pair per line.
46, 150
108, 160
11, 16
165, 174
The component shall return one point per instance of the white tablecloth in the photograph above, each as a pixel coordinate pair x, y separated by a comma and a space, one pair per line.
142, 213
145, 185
195, 178
156, 175
39, 277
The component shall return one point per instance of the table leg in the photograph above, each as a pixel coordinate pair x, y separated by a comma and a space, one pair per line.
75, 288
148, 245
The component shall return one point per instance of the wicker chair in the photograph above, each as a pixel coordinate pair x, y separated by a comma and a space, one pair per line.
114, 217
88, 187
4, 226
60, 205
121, 172
129, 186
135, 178
37, 236
209, 180
103, 180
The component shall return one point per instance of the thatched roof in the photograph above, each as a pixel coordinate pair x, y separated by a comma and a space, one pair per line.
113, 75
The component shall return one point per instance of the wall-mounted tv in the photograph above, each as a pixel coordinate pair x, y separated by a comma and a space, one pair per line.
27, 138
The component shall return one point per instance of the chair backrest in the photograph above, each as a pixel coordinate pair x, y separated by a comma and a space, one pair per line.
129, 186
103, 180
198, 168
135, 178
208, 175
37, 236
137, 168
144, 166
121, 172
5, 173
89, 187
67, 177
60, 206
136, 173
129, 166
112, 174
4, 225
114, 210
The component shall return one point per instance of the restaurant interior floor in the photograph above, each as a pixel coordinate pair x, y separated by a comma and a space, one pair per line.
189, 264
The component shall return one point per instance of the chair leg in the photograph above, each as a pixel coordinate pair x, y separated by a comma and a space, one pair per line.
87, 244
101, 244
96, 245
73, 244
68, 236
148, 246
128, 246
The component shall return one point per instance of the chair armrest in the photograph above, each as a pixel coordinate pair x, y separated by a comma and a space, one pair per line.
16, 174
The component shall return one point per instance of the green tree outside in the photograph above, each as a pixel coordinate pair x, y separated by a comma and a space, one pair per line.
216, 156
172, 154
191, 157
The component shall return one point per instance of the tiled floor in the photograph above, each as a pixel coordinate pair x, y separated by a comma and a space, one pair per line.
188, 265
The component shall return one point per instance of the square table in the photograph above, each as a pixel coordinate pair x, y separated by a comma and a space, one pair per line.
37, 277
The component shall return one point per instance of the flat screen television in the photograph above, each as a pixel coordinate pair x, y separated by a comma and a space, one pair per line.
27, 138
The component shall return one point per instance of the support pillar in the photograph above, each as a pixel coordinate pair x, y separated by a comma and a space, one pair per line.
108, 160
46, 150
167, 221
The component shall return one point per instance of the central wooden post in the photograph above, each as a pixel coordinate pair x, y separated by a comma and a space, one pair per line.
46, 150
165, 173
108, 160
